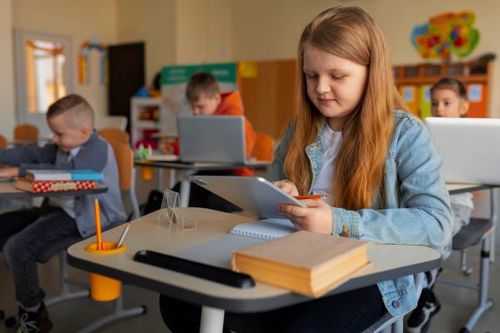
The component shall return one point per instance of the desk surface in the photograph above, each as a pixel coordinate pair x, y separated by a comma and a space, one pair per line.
457, 188
388, 261
201, 166
9, 191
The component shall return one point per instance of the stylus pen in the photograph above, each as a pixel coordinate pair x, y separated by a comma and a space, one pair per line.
122, 237
310, 196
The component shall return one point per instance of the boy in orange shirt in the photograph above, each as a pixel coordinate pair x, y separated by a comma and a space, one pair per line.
203, 94
205, 98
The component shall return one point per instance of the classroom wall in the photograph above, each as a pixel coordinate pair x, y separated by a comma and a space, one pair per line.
80, 20
151, 21
271, 29
203, 31
7, 105
193, 31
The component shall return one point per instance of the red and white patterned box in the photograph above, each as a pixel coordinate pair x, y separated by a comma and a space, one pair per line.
54, 185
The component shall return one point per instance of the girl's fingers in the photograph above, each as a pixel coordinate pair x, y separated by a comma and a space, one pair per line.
294, 211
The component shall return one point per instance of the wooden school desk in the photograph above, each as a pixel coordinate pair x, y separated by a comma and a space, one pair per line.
189, 169
388, 262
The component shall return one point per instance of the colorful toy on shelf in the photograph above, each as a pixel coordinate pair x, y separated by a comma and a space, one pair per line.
446, 34
84, 65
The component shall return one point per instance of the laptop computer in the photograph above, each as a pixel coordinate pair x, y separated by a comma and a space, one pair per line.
467, 148
217, 139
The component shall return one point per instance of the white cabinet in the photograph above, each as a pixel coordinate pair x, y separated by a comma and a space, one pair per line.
146, 116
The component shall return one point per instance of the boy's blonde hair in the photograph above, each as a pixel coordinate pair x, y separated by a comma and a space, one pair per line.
349, 33
78, 111
201, 84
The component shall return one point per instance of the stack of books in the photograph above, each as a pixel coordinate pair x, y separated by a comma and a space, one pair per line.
37, 181
304, 262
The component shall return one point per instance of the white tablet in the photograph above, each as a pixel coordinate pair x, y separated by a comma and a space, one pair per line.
255, 195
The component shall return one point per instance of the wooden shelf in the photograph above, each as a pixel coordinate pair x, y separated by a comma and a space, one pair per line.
415, 80
138, 125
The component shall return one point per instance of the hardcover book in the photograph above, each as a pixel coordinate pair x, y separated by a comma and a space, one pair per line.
304, 262
52, 174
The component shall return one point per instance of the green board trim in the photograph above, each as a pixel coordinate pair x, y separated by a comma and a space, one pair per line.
223, 72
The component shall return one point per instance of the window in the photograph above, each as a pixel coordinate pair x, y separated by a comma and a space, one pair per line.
44, 72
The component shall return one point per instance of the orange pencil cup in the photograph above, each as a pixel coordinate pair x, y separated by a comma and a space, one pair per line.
103, 288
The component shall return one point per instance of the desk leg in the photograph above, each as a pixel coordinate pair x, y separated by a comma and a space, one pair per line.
172, 178
159, 179
185, 190
212, 320
493, 214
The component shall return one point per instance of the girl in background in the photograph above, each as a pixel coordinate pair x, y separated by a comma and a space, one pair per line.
448, 99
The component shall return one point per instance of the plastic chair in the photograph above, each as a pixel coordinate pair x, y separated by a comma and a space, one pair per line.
264, 147
390, 324
125, 161
116, 134
3, 142
477, 231
118, 122
26, 134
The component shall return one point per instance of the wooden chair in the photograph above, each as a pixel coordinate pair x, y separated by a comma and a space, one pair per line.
264, 147
26, 134
114, 134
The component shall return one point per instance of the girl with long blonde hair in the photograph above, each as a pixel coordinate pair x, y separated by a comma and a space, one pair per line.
374, 163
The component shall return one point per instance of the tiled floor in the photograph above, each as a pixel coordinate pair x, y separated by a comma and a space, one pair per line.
73, 315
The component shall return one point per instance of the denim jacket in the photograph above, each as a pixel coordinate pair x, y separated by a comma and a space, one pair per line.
417, 210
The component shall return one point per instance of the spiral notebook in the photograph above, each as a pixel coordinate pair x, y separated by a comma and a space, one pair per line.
267, 229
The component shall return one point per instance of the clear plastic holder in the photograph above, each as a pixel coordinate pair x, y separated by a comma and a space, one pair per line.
169, 214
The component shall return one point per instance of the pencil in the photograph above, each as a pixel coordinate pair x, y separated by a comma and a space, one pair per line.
122, 236
98, 231
309, 196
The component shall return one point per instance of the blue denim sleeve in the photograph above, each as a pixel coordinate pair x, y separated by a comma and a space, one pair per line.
417, 209
276, 172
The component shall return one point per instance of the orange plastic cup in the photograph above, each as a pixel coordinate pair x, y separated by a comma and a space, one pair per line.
103, 288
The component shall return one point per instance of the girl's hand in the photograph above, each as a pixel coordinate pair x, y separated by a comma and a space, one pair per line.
9, 172
287, 187
316, 217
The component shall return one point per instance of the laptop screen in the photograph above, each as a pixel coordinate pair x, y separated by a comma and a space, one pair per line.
218, 139
465, 146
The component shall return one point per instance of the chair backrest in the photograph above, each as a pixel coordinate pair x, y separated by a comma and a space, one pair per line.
114, 134
119, 122
124, 156
125, 161
26, 133
264, 147
3, 142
